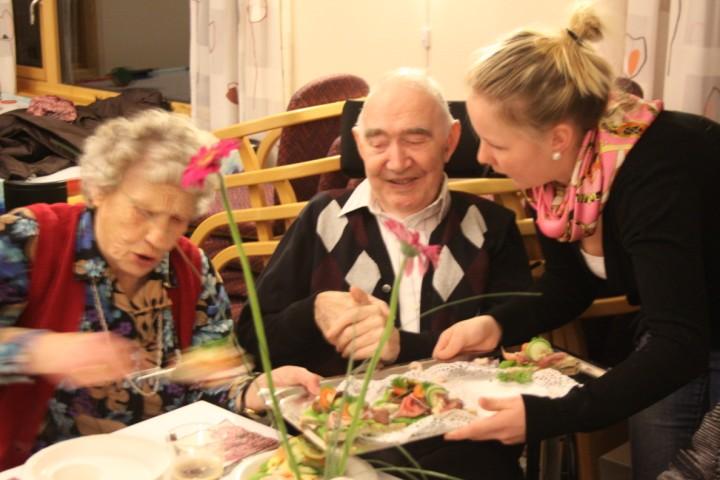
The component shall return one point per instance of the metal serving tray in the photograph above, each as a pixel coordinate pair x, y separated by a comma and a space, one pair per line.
294, 401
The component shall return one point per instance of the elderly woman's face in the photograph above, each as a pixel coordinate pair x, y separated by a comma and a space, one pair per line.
139, 222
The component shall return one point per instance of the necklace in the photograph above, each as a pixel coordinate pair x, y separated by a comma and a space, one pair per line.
153, 382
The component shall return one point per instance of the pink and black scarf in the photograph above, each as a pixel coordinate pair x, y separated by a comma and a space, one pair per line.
570, 212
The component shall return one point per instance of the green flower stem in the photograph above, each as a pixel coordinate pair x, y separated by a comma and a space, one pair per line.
389, 325
478, 297
331, 460
259, 329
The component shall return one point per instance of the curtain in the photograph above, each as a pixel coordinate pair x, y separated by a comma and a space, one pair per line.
7, 48
236, 60
673, 51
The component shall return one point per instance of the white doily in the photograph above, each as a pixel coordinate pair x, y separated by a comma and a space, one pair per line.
468, 382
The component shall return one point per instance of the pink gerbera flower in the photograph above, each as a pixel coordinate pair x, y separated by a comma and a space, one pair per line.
206, 162
412, 248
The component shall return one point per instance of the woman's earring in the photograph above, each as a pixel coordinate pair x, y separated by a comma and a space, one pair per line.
556, 156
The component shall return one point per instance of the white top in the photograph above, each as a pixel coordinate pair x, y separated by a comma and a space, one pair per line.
595, 264
424, 222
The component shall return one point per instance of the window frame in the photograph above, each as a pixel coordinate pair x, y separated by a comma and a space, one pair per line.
47, 80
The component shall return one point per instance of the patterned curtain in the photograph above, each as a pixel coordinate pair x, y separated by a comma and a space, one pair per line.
236, 60
673, 51
7, 48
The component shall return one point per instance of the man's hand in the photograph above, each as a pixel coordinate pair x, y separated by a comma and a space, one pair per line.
287, 376
506, 425
475, 335
353, 322
83, 359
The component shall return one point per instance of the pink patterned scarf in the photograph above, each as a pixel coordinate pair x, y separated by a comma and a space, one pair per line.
569, 213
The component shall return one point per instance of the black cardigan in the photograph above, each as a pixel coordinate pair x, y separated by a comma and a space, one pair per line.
661, 242
302, 267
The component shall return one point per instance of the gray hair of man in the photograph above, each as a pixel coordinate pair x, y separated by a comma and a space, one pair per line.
414, 78
163, 142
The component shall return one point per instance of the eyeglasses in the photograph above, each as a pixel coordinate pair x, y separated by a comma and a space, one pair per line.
174, 224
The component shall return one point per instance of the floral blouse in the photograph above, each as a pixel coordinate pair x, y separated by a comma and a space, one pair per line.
83, 411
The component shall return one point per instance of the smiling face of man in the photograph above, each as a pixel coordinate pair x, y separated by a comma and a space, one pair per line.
404, 138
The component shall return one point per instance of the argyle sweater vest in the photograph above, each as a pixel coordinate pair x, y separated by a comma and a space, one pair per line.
56, 301
325, 250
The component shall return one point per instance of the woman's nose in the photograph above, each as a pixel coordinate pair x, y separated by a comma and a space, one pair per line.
161, 236
483, 155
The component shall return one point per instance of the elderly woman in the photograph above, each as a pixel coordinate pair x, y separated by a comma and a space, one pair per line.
91, 293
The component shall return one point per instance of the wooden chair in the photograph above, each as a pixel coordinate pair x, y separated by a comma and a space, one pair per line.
261, 216
262, 195
256, 159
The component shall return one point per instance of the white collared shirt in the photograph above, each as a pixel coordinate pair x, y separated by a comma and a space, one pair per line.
424, 222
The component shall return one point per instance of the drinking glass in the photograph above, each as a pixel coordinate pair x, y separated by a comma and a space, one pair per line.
198, 454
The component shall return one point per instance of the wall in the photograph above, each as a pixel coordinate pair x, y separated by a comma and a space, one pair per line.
370, 37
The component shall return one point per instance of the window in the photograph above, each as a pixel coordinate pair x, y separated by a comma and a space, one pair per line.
87, 49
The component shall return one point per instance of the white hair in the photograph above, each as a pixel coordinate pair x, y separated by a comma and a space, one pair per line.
414, 78
164, 142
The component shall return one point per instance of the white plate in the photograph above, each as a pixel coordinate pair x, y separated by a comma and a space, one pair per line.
464, 380
100, 457
357, 468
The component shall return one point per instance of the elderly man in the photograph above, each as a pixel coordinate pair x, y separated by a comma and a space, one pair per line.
405, 135
324, 293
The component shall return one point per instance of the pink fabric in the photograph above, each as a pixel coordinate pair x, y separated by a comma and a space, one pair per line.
571, 212
54, 107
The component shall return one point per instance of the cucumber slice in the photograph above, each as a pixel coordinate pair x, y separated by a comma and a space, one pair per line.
538, 348
432, 393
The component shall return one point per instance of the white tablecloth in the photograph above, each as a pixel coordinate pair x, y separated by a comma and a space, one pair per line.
156, 428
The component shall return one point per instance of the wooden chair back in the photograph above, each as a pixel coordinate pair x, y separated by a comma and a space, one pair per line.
257, 139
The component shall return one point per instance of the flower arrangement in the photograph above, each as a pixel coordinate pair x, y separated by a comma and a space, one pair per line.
209, 161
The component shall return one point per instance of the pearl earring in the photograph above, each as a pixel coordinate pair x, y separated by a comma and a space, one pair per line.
556, 156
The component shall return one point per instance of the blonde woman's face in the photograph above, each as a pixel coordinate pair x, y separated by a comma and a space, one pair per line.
523, 156
139, 222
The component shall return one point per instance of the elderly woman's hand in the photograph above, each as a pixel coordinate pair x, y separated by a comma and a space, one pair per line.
83, 359
287, 376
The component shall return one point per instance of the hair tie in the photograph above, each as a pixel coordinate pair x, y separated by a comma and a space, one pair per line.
574, 36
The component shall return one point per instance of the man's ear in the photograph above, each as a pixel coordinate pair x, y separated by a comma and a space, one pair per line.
452, 140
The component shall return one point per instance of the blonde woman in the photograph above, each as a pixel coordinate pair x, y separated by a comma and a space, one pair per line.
625, 197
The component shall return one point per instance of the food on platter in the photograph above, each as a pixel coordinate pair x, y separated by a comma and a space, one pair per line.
311, 462
214, 361
532, 356
322, 418
402, 403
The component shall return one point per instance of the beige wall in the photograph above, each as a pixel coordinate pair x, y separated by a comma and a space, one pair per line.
369, 37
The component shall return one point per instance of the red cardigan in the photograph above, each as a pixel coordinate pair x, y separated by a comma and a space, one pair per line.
56, 301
